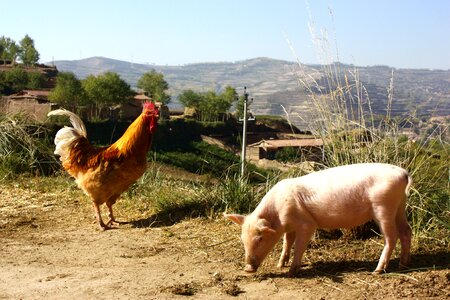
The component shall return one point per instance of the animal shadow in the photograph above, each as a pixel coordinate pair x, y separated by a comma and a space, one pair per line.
159, 220
336, 269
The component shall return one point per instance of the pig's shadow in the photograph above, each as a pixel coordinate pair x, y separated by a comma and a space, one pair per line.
336, 270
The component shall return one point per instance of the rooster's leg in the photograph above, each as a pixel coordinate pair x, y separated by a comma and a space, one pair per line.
111, 216
109, 204
99, 217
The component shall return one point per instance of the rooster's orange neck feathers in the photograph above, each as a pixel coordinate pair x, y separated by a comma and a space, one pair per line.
135, 140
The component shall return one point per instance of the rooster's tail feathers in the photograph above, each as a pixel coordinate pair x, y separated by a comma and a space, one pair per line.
77, 123
65, 136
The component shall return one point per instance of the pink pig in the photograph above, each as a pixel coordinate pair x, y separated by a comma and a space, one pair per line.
341, 197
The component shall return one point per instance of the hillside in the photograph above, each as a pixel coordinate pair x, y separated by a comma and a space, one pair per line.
273, 83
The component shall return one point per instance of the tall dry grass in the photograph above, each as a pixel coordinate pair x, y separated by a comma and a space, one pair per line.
25, 147
342, 115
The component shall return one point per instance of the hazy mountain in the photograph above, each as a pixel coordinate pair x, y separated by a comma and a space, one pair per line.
276, 83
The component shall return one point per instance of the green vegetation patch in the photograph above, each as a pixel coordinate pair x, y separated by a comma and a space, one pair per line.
202, 158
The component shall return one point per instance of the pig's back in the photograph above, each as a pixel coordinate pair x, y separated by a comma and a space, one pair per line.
346, 196
355, 173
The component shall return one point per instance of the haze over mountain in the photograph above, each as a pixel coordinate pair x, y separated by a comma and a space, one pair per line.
276, 83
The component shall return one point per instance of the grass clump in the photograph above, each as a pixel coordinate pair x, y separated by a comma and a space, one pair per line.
24, 148
352, 133
163, 197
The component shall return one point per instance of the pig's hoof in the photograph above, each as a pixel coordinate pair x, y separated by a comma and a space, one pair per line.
293, 272
378, 272
250, 269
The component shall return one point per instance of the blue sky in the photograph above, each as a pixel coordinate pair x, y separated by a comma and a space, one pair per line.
397, 33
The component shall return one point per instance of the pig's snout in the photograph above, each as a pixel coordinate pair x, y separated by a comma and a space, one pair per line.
250, 269
251, 264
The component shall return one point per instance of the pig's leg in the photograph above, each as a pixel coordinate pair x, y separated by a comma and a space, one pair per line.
405, 240
404, 232
302, 238
390, 234
288, 241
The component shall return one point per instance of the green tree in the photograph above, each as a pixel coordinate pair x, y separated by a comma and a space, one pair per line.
2, 50
226, 99
10, 50
209, 105
240, 107
155, 86
105, 90
28, 53
68, 92
189, 98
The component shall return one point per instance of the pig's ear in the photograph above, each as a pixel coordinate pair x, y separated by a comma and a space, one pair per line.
238, 219
264, 226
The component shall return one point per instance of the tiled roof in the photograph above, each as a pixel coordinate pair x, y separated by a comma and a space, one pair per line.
288, 143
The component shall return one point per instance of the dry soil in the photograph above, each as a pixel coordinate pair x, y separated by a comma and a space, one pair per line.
51, 248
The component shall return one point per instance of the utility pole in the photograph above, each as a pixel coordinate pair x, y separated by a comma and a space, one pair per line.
244, 132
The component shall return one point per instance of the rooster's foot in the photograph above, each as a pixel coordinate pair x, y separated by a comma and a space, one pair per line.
104, 226
111, 221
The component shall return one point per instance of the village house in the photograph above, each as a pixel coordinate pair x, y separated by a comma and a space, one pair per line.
33, 104
131, 109
308, 148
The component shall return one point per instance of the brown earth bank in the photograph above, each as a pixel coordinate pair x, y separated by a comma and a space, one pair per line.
50, 248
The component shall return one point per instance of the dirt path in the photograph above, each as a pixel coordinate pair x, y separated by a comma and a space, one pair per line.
51, 249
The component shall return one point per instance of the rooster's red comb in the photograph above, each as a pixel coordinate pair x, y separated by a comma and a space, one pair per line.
150, 106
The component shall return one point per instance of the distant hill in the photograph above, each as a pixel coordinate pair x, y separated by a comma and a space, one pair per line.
275, 83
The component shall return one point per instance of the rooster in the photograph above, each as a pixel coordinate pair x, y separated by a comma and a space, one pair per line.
105, 173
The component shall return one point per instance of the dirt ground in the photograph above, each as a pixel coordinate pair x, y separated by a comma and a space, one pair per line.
51, 249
